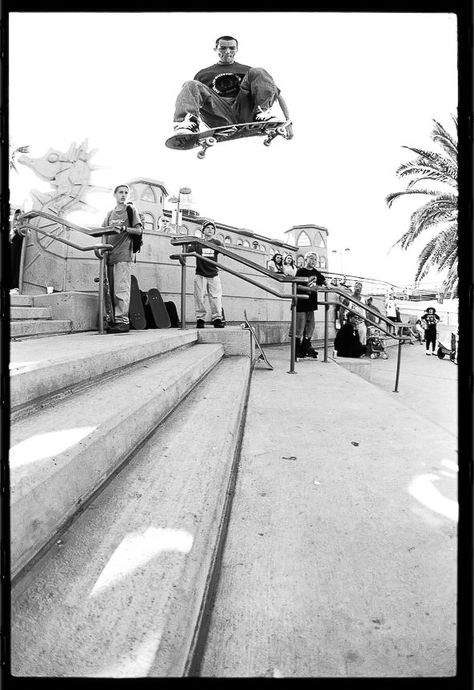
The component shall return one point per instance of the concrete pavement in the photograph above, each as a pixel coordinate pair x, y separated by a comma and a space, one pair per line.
340, 559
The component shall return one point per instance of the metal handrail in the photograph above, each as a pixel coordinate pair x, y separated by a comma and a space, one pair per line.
100, 250
294, 281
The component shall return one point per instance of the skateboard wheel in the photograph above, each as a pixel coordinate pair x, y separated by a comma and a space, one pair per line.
210, 141
201, 154
281, 130
267, 142
372, 356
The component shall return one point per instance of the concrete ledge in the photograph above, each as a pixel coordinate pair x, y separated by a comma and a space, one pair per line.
60, 456
21, 313
28, 329
234, 339
361, 367
80, 308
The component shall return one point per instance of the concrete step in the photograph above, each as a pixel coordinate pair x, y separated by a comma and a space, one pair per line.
63, 453
43, 367
23, 313
121, 594
28, 329
21, 300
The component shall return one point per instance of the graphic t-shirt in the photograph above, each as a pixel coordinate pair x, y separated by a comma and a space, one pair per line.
311, 303
224, 80
430, 319
202, 267
122, 243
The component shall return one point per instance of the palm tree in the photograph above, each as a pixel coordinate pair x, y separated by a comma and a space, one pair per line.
440, 170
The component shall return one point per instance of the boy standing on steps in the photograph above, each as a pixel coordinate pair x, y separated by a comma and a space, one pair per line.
120, 257
207, 280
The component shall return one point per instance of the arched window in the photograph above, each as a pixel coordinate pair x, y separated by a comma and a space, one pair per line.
227, 240
197, 233
239, 243
148, 221
319, 240
255, 245
220, 237
322, 262
263, 248
303, 240
246, 243
183, 230
148, 194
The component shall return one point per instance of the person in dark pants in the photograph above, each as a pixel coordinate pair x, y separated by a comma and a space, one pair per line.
305, 307
227, 93
16, 244
430, 321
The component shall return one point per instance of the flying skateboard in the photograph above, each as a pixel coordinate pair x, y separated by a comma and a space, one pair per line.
155, 310
136, 311
262, 356
210, 137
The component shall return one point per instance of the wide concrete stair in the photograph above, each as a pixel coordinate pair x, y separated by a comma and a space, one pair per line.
28, 320
123, 449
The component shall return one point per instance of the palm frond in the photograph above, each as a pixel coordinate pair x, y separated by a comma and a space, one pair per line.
390, 198
444, 138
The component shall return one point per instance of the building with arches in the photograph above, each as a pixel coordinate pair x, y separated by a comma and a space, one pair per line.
309, 238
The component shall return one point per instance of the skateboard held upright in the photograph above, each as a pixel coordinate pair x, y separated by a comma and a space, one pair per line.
136, 312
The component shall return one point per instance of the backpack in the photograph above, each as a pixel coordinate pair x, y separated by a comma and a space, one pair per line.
137, 240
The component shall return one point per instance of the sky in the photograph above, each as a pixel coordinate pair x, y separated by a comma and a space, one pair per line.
359, 87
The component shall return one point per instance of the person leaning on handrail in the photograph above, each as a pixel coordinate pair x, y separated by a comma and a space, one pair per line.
305, 308
206, 279
276, 263
289, 268
358, 312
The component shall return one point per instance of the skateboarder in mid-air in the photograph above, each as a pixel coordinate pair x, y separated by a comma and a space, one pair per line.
227, 93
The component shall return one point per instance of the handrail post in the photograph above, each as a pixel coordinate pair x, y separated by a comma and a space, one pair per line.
22, 262
183, 290
399, 355
101, 292
326, 310
293, 329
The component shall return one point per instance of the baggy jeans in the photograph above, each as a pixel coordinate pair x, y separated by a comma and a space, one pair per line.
121, 297
304, 324
256, 89
213, 288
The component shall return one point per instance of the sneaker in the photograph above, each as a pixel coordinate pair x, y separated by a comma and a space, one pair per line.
266, 115
428, 354
14, 291
217, 323
119, 328
189, 125
200, 323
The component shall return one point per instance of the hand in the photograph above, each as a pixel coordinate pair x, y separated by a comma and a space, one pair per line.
289, 132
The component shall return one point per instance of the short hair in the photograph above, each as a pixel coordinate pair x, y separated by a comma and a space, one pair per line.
226, 38
121, 185
310, 254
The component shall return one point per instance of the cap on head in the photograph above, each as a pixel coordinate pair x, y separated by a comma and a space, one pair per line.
121, 185
207, 223
431, 309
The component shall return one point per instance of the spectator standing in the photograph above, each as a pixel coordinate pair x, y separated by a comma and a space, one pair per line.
430, 319
370, 303
206, 279
345, 288
289, 268
276, 263
358, 312
119, 259
305, 308
391, 307
16, 244
420, 331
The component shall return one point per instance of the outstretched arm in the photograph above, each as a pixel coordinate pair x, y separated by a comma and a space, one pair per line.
286, 114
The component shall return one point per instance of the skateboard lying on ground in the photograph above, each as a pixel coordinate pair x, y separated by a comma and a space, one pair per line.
262, 356
210, 137
136, 311
155, 310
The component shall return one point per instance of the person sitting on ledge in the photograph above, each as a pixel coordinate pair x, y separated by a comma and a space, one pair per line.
347, 341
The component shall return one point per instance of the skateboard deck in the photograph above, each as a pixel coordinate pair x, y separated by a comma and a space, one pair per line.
210, 137
261, 356
136, 312
155, 310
